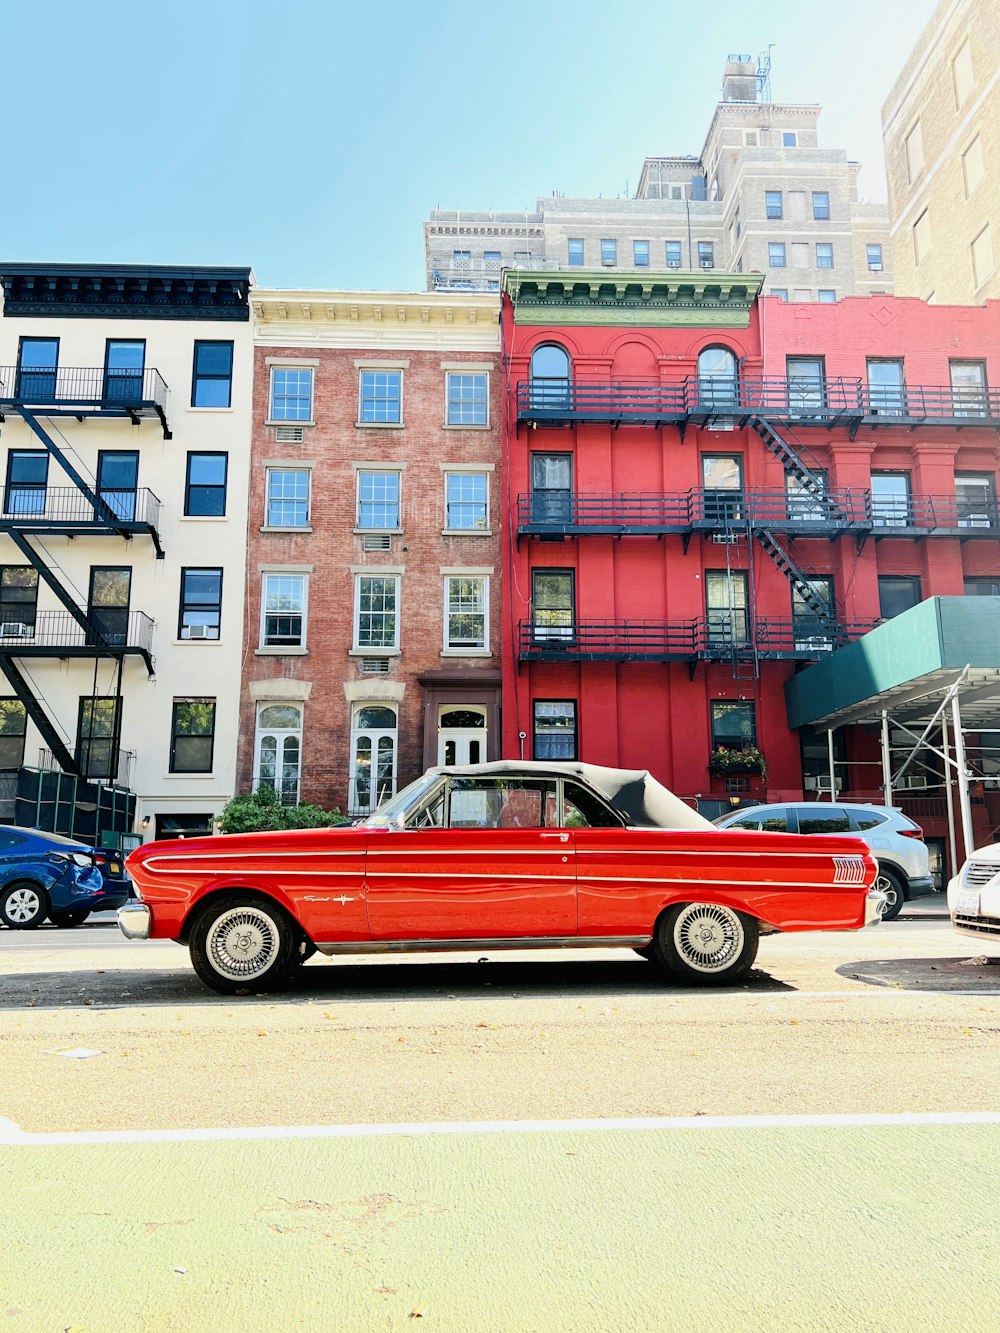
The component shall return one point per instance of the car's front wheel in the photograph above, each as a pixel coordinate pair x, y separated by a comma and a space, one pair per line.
706, 944
895, 896
242, 943
64, 919
23, 906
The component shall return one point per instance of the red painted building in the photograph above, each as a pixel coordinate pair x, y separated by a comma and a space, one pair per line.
708, 492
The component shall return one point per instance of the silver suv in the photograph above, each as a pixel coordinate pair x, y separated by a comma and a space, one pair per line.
897, 843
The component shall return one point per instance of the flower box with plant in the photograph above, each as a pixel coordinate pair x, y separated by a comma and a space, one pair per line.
746, 759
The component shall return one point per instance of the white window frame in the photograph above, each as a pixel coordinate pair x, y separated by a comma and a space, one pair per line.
302, 369
470, 469
263, 646
270, 470
381, 370
375, 734
285, 734
377, 650
370, 470
465, 425
466, 650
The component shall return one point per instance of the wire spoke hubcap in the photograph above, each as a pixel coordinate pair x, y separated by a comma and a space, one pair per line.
23, 905
707, 937
243, 943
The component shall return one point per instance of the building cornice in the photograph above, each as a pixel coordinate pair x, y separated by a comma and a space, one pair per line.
458, 321
593, 297
125, 291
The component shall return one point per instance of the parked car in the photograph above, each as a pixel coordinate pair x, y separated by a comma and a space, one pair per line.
895, 841
974, 895
46, 875
499, 856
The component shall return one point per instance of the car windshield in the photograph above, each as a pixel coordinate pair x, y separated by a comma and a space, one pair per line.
393, 813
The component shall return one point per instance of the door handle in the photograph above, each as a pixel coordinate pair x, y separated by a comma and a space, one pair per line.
560, 837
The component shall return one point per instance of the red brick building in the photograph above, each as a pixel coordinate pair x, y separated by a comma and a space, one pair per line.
373, 544
707, 493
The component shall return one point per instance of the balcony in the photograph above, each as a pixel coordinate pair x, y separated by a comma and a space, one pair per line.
85, 391
935, 515
802, 401
110, 766
691, 641
64, 511
60, 634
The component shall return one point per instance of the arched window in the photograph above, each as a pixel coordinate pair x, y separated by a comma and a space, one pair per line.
550, 376
717, 378
278, 750
373, 757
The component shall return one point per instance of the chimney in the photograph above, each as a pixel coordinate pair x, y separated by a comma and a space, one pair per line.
739, 79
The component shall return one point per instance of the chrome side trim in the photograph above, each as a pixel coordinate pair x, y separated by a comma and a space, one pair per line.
583, 880
456, 946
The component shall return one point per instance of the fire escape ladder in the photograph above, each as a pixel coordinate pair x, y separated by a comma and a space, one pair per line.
102, 510
795, 575
60, 752
792, 463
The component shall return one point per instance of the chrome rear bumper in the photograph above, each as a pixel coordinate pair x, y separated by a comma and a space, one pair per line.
135, 921
874, 906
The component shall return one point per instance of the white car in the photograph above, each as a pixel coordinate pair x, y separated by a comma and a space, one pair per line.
974, 895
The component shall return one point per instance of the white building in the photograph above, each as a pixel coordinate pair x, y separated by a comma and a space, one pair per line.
125, 435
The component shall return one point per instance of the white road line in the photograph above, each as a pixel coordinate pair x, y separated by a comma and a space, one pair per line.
19, 1138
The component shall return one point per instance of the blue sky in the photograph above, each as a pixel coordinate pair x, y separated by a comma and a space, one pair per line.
310, 139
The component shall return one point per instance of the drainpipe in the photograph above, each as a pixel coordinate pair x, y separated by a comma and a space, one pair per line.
952, 853
886, 760
687, 206
964, 803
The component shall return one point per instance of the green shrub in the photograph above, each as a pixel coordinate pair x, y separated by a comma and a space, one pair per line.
260, 811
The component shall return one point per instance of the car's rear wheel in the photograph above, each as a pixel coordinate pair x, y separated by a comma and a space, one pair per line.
706, 944
23, 906
64, 919
242, 942
889, 883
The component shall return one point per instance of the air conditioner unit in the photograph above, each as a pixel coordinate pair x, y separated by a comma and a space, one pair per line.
200, 632
16, 629
914, 780
708, 263
609, 263
875, 267
821, 783
673, 263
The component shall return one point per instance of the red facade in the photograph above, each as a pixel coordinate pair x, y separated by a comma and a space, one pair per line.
667, 502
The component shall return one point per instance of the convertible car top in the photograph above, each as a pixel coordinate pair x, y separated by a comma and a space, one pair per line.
633, 792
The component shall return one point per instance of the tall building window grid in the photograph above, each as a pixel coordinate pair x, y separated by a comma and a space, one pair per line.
380, 398
640, 254
291, 394
824, 254
287, 497
18, 596
376, 612
554, 735
780, 292
467, 398
283, 610
200, 611
673, 254
466, 500
212, 378
776, 254
192, 736
278, 750
27, 482
733, 724
205, 485
466, 613
609, 252
13, 728
574, 252
821, 205
379, 500
706, 254
873, 254
773, 206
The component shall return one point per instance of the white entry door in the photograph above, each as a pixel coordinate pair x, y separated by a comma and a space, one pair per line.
461, 736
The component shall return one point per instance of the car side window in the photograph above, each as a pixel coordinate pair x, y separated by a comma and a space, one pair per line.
8, 841
774, 821
582, 809
430, 815
500, 803
823, 819
862, 822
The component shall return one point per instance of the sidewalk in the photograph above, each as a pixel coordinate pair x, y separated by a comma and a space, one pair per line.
931, 905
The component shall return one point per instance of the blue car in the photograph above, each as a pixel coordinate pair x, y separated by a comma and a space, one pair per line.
45, 875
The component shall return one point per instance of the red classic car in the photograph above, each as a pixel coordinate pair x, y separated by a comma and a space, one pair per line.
500, 856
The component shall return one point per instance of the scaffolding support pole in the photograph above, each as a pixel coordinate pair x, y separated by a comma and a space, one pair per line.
833, 767
949, 800
886, 760
965, 805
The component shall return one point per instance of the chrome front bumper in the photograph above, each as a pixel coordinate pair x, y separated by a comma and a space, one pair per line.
874, 905
135, 921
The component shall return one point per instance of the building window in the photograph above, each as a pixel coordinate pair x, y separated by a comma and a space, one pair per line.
886, 390
553, 613
27, 482
969, 393
376, 612
824, 254
37, 370
891, 506
466, 501
983, 587
874, 255
722, 486
813, 630
461, 256
118, 480
283, 611
492, 259
205, 487
468, 398
776, 254
550, 376
97, 732
201, 604
982, 256
466, 612
808, 503
896, 595
772, 203
921, 236
554, 729
914, 153
674, 254
973, 169
373, 757
706, 254
737, 229
962, 74
976, 499
378, 500
574, 252
717, 378
124, 363
212, 381
789, 139
806, 385
291, 393
381, 397
278, 750
826, 296
780, 292
726, 608
108, 603
609, 253
640, 254
821, 205
288, 497
734, 725
18, 601
192, 736
13, 725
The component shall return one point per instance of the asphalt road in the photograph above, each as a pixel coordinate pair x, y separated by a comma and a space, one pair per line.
530, 1142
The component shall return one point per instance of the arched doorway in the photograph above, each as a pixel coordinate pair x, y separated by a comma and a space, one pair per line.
461, 735
373, 757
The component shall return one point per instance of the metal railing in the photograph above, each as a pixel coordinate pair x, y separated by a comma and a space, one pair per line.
719, 637
74, 386
59, 505
104, 765
934, 513
51, 631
